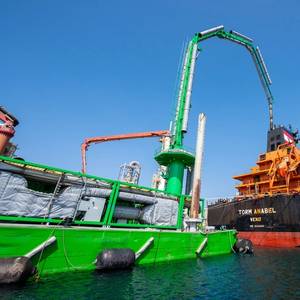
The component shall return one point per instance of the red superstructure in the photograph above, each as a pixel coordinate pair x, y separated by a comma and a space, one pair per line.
7, 129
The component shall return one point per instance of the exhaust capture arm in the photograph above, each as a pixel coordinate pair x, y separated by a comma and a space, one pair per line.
188, 69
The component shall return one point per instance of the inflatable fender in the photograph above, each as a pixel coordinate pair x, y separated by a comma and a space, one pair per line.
111, 259
243, 246
16, 269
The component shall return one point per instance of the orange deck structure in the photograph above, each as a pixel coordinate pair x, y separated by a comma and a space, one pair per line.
275, 172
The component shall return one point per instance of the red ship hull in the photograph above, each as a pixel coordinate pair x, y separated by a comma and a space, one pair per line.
272, 239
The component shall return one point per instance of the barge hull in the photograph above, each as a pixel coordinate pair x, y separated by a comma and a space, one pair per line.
77, 247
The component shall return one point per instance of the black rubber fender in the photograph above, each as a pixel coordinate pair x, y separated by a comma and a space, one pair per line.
243, 246
112, 259
16, 269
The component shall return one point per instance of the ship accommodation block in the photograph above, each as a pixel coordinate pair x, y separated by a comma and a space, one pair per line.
276, 172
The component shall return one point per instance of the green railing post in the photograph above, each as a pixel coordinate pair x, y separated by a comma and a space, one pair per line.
113, 201
180, 212
114, 188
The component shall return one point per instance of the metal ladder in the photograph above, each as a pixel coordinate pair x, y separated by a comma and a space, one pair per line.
56, 191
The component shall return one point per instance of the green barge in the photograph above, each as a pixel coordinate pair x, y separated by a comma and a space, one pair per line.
78, 242
55, 220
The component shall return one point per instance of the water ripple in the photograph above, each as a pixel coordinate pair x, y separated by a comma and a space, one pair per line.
269, 274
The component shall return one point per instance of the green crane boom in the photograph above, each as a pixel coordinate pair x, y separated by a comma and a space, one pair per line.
176, 158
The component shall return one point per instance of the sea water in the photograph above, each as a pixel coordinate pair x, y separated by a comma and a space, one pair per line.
268, 274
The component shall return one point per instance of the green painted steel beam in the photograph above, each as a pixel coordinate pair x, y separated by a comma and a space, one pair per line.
141, 226
177, 141
112, 203
180, 213
29, 220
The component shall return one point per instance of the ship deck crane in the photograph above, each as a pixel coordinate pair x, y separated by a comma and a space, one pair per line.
101, 139
176, 159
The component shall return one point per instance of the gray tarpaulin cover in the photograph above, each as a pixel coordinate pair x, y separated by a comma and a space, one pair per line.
16, 199
163, 212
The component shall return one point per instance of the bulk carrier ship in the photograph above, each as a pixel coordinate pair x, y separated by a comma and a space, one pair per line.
267, 207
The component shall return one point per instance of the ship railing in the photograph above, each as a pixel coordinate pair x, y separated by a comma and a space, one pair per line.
186, 149
220, 200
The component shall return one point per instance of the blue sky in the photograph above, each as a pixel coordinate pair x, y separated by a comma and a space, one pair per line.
75, 69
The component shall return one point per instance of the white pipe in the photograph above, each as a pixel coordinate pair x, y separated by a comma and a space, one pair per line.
235, 41
263, 65
211, 30
162, 181
40, 247
264, 85
165, 146
189, 89
144, 248
241, 35
165, 143
201, 247
198, 166
255, 60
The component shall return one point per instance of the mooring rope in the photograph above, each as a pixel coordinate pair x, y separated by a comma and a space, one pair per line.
158, 240
65, 251
37, 276
66, 255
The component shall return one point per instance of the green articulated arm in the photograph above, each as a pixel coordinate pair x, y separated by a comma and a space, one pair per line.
188, 68
176, 158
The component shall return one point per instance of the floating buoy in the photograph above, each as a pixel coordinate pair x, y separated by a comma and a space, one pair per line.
112, 259
244, 246
16, 269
